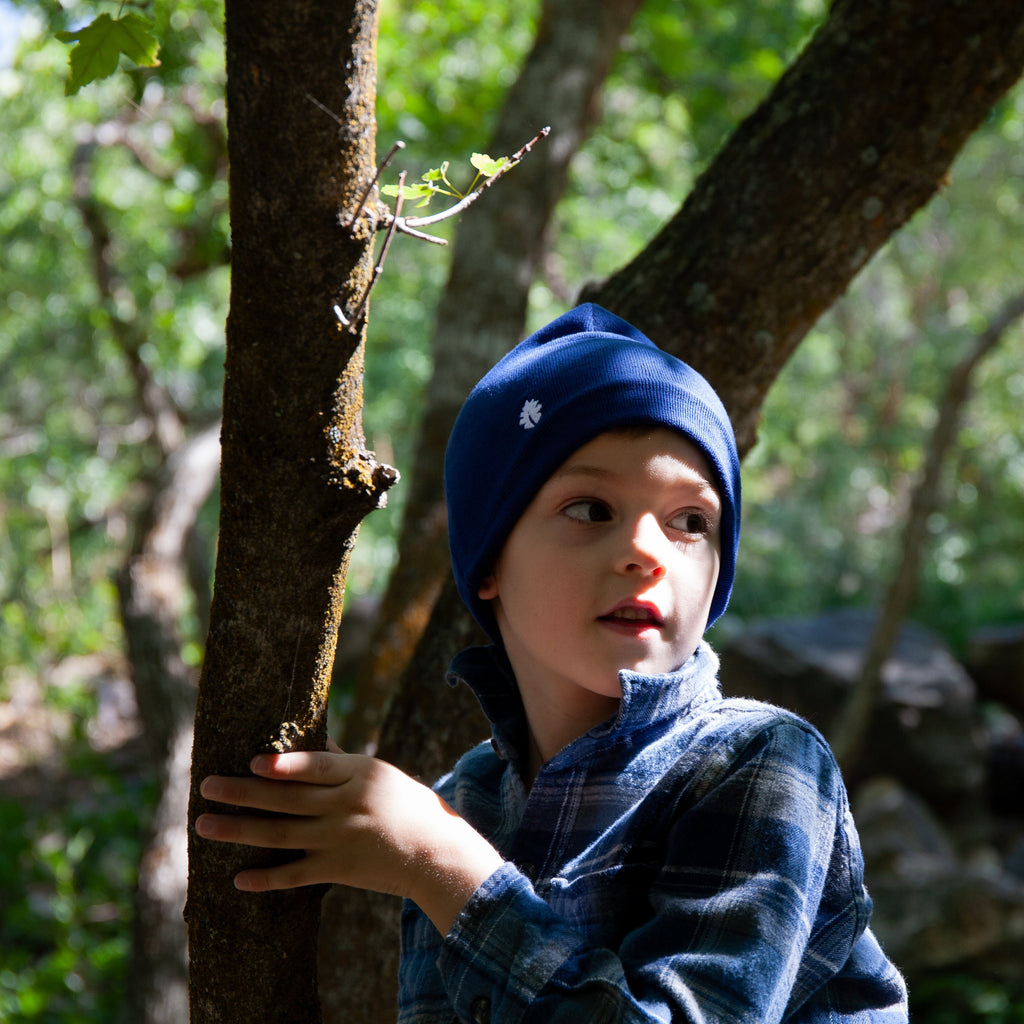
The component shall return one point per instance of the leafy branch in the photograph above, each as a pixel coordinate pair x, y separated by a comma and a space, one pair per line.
436, 182
433, 183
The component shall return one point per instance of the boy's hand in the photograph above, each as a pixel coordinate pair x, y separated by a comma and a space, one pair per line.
360, 821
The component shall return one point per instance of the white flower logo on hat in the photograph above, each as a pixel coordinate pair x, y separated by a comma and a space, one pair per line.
530, 415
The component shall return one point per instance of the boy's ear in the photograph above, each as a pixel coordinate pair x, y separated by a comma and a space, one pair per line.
488, 588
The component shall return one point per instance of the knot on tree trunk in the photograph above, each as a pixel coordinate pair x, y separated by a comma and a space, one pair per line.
363, 478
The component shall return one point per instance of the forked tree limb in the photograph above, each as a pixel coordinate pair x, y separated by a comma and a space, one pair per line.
860, 132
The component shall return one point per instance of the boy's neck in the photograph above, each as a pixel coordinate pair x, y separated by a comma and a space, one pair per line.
532, 763
553, 725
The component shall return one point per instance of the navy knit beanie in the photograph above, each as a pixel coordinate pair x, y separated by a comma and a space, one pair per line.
586, 372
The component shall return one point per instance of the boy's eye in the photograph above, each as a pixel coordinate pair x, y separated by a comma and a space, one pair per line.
691, 521
588, 510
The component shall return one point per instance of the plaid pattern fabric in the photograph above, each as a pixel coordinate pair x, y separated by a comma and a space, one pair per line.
692, 859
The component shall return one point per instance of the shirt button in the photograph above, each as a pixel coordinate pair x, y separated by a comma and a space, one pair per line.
481, 1010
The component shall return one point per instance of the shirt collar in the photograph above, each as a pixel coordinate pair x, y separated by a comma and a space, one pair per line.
646, 700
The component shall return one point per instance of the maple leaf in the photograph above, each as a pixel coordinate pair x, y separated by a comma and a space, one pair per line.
99, 45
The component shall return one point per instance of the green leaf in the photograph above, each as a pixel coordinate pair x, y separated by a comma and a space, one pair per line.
486, 165
410, 192
99, 45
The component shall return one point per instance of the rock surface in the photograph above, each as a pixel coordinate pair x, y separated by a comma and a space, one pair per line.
938, 794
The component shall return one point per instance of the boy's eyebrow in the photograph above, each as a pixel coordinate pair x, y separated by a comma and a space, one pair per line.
583, 469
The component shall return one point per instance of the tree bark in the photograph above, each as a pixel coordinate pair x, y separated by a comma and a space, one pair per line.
483, 308
296, 480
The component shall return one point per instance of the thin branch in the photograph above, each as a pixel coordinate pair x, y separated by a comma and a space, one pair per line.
471, 197
408, 225
421, 235
155, 400
349, 221
855, 715
352, 321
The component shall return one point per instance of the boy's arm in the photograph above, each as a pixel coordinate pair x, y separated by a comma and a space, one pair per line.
751, 860
360, 822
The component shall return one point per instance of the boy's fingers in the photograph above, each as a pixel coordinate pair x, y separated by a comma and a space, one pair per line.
288, 833
264, 795
320, 768
265, 791
287, 876
256, 880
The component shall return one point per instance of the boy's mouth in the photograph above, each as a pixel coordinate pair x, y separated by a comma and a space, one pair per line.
633, 615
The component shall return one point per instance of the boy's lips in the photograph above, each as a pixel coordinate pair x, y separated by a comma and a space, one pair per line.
634, 615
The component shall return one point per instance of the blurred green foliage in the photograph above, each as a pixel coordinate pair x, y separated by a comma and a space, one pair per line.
841, 441
845, 427
957, 998
67, 871
73, 441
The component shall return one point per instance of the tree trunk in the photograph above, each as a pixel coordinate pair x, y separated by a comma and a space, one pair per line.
483, 308
295, 479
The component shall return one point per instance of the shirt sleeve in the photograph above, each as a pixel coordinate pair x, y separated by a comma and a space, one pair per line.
758, 870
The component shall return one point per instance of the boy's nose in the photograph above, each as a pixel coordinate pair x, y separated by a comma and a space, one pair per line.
645, 548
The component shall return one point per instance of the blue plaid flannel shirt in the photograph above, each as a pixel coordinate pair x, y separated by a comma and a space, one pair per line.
692, 859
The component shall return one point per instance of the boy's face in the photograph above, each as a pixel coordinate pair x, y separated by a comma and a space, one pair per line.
612, 566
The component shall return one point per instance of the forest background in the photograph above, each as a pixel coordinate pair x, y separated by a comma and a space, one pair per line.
827, 486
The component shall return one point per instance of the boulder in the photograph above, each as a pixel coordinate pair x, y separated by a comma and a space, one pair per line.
937, 794
995, 660
935, 909
926, 731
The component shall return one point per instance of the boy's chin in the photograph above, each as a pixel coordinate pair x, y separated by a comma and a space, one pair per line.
660, 666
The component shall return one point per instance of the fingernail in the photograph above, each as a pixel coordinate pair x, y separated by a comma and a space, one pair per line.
259, 764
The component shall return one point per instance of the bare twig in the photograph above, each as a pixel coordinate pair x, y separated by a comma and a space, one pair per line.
155, 401
352, 321
349, 221
421, 235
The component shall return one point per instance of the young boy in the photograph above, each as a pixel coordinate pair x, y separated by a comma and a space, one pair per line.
630, 846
